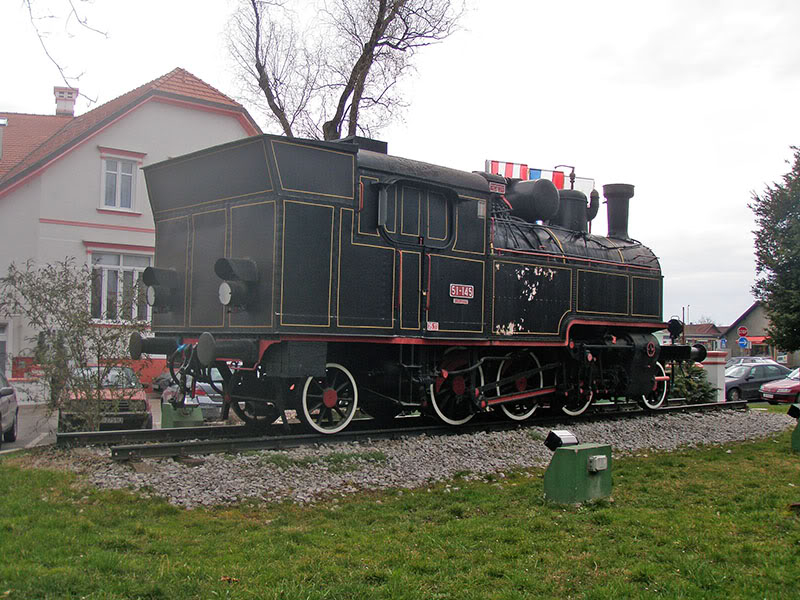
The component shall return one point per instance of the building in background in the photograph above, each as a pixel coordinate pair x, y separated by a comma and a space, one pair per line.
707, 334
753, 323
72, 186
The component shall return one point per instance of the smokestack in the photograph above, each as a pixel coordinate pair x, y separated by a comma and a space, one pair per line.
3, 123
65, 101
618, 197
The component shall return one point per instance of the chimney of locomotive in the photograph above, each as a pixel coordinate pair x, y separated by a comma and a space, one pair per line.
618, 197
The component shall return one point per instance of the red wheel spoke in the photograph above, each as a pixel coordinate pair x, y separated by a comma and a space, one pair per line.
332, 382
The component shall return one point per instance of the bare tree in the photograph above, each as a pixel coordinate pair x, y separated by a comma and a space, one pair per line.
342, 75
66, 13
79, 359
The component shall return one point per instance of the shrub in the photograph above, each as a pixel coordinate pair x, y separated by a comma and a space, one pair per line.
690, 382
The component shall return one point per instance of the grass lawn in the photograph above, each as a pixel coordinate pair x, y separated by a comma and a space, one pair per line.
709, 523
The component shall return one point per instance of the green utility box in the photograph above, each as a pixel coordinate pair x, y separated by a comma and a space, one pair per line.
794, 411
182, 416
578, 473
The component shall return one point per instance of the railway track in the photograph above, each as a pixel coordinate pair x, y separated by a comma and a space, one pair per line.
186, 441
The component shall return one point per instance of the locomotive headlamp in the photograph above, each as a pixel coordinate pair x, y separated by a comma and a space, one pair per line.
560, 437
161, 285
675, 328
239, 276
233, 293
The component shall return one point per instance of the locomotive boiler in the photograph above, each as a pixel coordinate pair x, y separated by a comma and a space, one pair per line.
331, 277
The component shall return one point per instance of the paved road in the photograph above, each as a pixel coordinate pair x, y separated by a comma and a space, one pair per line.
36, 428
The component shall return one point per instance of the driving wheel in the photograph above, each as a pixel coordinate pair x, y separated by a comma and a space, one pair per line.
329, 403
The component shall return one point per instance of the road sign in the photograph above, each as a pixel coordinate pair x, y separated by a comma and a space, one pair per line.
742, 331
723, 343
743, 342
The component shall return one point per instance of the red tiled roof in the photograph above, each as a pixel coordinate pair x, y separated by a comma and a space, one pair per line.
23, 134
702, 329
178, 84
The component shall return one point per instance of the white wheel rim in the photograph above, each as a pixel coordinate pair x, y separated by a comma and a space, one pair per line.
347, 418
658, 399
505, 407
580, 410
445, 418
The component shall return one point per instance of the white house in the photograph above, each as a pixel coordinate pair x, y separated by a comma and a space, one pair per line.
73, 185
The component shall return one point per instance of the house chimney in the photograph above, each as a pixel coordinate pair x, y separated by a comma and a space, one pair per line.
3, 123
65, 101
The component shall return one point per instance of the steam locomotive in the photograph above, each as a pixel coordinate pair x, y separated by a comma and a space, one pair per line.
331, 277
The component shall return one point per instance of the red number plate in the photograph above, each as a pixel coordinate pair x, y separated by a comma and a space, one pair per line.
458, 290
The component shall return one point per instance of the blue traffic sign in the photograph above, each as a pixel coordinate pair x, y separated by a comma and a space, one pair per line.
723, 343
743, 342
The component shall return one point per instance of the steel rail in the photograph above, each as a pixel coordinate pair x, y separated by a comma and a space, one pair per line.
280, 442
175, 434
90, 438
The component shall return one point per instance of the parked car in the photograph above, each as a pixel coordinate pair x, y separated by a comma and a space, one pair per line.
9, 411
125, 404
782, 390
743, 381
162, 381
205, 396
742, 360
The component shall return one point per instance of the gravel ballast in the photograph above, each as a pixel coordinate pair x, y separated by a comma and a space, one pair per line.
307, 474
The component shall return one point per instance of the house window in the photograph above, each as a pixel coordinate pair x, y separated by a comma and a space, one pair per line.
116, 293
118, 183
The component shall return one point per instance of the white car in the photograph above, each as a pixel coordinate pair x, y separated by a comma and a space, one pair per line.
9, 411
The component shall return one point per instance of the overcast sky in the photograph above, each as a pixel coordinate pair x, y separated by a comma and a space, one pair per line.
694, 102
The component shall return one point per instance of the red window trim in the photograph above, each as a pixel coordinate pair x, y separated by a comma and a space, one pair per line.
90, 246
122, 212
106, 152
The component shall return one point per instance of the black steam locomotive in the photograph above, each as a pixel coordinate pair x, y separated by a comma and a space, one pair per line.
328, 277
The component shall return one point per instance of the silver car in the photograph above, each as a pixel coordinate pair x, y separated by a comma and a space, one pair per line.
748, 360
9, 411
205, 396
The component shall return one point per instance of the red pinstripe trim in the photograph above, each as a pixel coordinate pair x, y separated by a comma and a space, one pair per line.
96, 225
400, 287
649, 324
246, 125
444, 341
578, 258
428, 291
230, 112
109, 246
